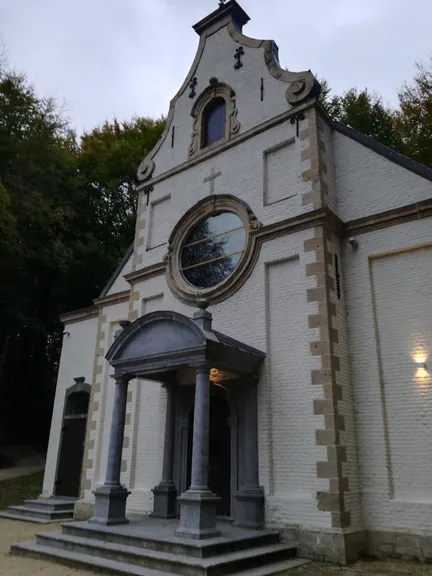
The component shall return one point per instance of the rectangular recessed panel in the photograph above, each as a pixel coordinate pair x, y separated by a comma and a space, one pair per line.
152, 304
160, 222
281, 172
402, 290
292, 429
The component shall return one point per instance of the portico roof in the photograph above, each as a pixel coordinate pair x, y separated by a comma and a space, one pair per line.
159, 344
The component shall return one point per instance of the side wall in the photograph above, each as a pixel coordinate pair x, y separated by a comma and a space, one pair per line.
388, 285
100, 412
367, 183
76, 360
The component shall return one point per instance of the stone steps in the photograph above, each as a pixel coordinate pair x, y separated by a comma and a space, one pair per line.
43, 510
54, 504
111, 566
194, 548
227, 563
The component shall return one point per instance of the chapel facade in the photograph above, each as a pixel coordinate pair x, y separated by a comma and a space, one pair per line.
262, 352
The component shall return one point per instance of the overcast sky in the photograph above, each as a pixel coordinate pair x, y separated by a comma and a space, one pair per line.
107, 58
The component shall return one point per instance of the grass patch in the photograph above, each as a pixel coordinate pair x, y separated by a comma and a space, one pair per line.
13, 492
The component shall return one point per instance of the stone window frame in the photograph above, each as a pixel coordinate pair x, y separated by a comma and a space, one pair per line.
216, 91
210, 206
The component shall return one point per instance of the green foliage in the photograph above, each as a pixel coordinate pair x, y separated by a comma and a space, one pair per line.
67, 212
13, 492
366, 113
415, 120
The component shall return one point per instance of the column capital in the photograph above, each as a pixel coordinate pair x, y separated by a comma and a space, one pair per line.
122, 378
202, 368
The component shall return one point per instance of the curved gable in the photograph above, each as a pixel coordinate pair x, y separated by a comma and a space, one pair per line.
263, 89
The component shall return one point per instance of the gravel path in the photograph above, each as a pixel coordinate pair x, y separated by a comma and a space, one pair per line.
19, 471
14, 531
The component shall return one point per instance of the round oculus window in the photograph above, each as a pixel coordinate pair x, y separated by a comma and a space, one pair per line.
213, 250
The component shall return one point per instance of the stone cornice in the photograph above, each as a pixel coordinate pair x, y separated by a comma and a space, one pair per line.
116, 298
226, 145
145, 273
393, 217
321, 217
79, 315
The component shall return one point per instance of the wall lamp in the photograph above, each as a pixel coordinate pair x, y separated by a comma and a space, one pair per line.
420, 365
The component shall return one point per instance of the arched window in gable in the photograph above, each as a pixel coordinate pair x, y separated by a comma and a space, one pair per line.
214, 122
214, 116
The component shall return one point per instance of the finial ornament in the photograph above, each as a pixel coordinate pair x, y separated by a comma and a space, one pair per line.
202, 303
221, 3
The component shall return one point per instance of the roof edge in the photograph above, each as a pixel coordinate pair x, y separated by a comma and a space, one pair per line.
79, 315
117, 271
382, 150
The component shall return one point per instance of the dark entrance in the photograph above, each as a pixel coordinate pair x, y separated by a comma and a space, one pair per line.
72, 445
220, 453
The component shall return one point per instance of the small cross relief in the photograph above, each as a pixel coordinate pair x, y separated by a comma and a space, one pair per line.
211, 178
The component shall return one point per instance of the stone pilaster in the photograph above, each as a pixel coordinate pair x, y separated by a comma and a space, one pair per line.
198, 504
110, 505
250, 499
165, 492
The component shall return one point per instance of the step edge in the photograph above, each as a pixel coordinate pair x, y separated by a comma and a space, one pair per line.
23, 518
165, 556
27, 509
253, 538
85, 559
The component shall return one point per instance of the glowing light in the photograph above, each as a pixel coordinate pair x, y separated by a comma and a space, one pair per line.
215, 375
422, 377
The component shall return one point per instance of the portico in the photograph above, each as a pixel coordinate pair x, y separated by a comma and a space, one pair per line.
175, 350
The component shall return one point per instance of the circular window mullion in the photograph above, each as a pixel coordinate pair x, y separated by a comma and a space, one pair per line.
211, 250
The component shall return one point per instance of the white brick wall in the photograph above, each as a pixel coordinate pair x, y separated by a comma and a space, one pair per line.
120, 283
393, 402
368, 183
76, 360
105, 397
218, 61
288, 454
243, 176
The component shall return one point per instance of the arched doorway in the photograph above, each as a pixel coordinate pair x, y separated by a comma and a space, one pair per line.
219, 453
72, 441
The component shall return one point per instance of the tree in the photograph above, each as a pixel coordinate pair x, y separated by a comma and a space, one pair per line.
67, 211
107, 161
365, 112
415, 119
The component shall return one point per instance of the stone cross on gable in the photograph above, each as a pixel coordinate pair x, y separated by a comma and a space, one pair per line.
211, 178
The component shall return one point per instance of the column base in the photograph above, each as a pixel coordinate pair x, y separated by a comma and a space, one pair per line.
110, 506
250, 507
164, 501
198, 515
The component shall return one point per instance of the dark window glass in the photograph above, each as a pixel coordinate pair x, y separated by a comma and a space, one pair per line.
213, 250
214, 122
77, 404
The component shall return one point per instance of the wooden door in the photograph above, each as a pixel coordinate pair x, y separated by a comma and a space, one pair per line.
71, 456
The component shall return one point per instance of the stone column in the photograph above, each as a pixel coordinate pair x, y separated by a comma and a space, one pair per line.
165, 492
110, 504
198, 504
250, 499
